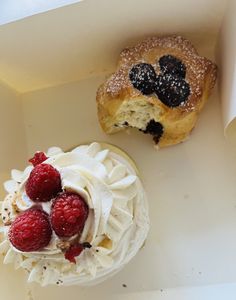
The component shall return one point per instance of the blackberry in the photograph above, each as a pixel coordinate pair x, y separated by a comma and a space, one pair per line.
143, 77
172, 90
155, 129
172, 65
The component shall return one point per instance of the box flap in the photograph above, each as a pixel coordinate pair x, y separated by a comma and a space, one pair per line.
78, 40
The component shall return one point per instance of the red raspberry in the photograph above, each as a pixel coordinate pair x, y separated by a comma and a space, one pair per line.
73, 251
68, 215
30, 231
43, 184
38, 158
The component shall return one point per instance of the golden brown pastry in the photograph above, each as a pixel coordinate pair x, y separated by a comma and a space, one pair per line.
160, 87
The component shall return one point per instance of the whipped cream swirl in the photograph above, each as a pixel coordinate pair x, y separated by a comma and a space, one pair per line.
116, 227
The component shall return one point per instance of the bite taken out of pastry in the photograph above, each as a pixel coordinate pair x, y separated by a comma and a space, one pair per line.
160, 86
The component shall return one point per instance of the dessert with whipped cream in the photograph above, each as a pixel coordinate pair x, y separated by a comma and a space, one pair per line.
73, 217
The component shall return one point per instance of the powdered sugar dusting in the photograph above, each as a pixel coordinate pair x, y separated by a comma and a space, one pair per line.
118, 81
169, 42
149, 51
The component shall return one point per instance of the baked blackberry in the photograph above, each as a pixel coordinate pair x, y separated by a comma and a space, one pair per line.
170, 64
172, 90
143, 77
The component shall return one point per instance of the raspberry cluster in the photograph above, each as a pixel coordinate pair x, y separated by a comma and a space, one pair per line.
32, 229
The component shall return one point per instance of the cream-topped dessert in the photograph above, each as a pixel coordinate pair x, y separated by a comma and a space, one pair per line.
73, 218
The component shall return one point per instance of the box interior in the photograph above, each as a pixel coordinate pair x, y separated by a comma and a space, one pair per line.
51, 65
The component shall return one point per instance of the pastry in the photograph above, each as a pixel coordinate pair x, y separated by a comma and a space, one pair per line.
159, 87
74, 218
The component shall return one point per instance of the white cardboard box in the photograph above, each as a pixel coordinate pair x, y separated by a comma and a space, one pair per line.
50, 67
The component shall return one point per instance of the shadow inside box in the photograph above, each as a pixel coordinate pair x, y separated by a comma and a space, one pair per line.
193, 213
192, 203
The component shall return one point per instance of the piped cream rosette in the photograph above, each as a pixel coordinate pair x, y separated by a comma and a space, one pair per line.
116, 227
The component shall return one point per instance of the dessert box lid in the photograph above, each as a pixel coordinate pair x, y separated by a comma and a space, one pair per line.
51, 65
79, 40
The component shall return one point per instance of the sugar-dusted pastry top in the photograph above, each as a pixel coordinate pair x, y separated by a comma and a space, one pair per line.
161, 79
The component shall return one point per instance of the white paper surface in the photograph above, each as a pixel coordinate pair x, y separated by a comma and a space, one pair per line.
227, 64
12, 10
212, 292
